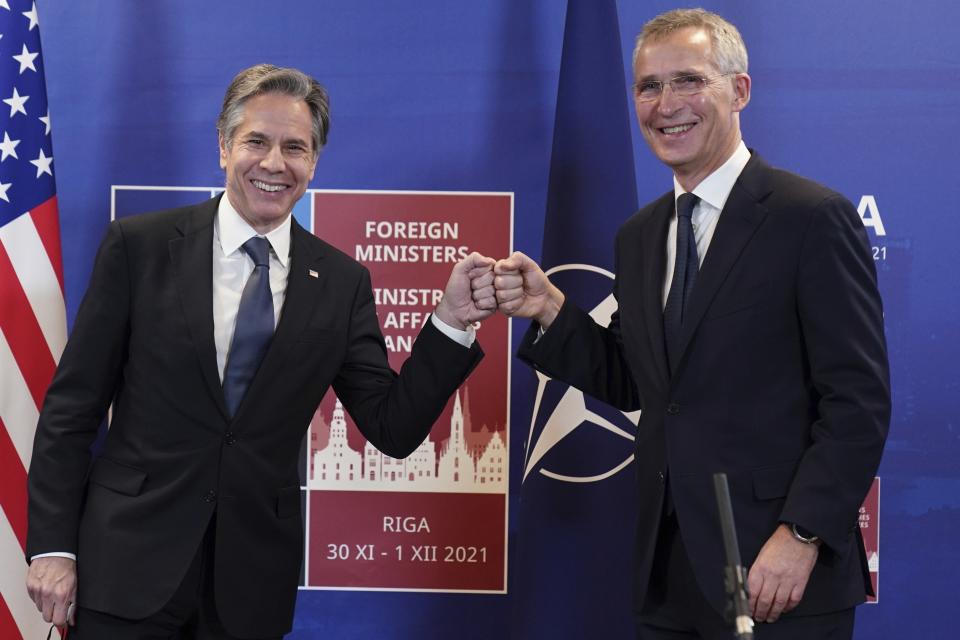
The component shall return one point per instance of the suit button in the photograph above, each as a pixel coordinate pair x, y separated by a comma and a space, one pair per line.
229, 437
673, 408
662, 477
211, 496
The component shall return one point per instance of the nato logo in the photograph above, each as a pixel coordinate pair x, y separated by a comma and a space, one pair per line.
573, 437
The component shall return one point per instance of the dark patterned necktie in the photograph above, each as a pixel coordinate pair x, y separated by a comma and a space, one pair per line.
254, 327
684, 276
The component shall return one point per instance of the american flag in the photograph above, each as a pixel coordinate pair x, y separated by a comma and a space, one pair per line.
33, 328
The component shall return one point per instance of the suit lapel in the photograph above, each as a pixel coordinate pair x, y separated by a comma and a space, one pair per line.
741, 216
653, 266
192, 258
305, 283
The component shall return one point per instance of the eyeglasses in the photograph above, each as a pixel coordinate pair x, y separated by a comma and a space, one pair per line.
685, 85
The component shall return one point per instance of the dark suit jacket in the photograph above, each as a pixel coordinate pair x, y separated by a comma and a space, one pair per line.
143, 340
782, 383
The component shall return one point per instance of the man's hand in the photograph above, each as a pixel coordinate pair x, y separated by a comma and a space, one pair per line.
524, 291
779, 575
469, 295
52, 585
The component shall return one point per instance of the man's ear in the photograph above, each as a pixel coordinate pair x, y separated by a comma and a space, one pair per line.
223, 151
741, 91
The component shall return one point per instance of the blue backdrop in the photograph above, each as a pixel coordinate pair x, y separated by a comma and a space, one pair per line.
438, 95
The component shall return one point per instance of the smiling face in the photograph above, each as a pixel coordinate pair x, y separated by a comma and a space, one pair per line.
270, 161
693, 135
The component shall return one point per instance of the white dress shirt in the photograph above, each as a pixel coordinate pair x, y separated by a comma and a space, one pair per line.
232, 266
713, 192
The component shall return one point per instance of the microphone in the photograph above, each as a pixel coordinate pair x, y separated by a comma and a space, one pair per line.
735, 576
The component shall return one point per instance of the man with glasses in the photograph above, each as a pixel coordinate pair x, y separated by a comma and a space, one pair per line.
750, 332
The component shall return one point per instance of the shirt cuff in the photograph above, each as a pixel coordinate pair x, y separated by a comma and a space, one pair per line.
55, 554
463, 337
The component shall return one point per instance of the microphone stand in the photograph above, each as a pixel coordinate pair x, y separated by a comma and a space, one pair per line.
734, 573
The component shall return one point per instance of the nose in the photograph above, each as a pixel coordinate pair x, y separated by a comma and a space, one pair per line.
273, 160
669, 102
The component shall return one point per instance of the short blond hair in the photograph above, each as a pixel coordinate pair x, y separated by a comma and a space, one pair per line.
729, 51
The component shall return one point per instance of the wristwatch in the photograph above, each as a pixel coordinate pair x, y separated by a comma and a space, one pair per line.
803, 535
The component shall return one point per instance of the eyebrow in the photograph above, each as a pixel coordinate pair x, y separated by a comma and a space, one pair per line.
258, 134
673, 74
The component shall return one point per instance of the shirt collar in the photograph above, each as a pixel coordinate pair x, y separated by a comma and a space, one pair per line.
232, 231
716, 187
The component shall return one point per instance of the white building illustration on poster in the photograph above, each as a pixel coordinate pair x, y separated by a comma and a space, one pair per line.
462, 466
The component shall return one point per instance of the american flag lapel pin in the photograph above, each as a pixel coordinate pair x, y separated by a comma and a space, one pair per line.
313, 274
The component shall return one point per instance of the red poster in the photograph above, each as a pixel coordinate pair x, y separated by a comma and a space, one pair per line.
870, 528
436, 520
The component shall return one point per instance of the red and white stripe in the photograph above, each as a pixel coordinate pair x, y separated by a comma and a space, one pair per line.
33, 332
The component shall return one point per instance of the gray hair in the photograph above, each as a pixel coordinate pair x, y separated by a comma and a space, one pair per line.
729, 52
267, 78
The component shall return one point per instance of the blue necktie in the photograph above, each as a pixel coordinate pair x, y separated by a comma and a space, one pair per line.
684, 276
254, 328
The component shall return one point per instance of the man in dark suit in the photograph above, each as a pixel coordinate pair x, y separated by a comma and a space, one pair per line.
214, 331
749, 330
